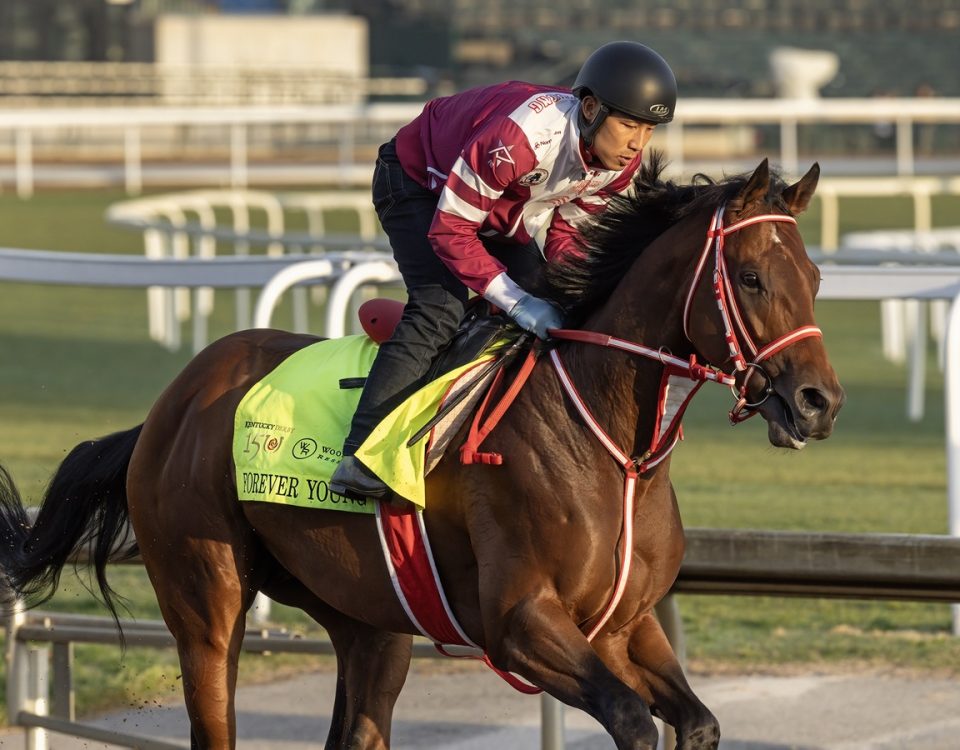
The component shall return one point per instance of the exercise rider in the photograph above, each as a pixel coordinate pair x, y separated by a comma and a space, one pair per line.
463, 189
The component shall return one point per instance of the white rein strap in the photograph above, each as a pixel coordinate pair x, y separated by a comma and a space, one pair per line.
631, 471
730, 313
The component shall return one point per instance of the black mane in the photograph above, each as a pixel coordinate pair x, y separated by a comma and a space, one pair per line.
613, 240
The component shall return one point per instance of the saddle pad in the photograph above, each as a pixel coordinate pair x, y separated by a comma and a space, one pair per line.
289, 428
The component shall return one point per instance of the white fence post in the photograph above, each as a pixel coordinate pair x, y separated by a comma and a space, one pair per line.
904, 146
668, 615
16, 663
238, 155
551, 723
64, 697
916, 330
952, 398
132, 161
829, 219
38, 694
24, 167
789, 146
674, 138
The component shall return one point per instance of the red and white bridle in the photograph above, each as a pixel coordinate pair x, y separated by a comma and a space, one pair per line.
735, 330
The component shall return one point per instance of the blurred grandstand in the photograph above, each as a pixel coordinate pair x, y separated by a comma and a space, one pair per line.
718, 47
221, 69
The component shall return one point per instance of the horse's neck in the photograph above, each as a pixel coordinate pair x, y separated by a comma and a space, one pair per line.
646, 308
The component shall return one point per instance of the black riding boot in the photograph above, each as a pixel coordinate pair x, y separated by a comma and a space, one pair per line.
428, 323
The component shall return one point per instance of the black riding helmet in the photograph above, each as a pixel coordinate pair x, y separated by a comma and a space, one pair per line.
628, 77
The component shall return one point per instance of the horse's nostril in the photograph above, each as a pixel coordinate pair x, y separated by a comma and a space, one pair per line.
813, 401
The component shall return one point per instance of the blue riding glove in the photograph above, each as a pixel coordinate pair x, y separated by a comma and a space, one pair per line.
536, 315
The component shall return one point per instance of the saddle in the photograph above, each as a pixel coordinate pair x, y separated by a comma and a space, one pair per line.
481, 326
466, 371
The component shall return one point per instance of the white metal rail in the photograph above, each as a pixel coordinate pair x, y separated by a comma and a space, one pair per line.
108, 270
128, 124
169, 230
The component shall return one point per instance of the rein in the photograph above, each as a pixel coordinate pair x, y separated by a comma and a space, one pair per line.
735, 330
670, 407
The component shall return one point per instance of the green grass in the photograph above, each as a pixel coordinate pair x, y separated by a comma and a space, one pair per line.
879, 472
77, 363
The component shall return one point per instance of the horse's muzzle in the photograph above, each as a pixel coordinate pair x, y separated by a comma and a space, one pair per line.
805, 412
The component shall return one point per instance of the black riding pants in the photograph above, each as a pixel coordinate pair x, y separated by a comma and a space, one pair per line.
436, 297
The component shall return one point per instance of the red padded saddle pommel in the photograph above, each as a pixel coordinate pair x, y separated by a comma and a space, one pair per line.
379, 317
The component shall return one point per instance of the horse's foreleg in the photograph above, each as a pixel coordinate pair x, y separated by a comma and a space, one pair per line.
641, 656
537, 640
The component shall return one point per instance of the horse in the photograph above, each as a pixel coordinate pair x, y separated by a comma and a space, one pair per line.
542, 566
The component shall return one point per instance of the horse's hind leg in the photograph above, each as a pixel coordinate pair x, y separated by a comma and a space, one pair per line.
372, 666
371, 669
204, 588
642, 657
206, 612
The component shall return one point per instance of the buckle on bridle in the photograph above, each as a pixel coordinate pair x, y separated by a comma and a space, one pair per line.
741, 393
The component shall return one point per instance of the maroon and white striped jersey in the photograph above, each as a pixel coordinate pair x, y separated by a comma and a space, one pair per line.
505, 160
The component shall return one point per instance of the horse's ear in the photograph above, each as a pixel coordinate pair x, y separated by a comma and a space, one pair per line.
756, 188
797, 196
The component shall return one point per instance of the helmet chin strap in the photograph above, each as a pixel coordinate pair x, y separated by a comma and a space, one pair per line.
588, 129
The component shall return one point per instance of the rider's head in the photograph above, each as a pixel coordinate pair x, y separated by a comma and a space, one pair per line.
625, 90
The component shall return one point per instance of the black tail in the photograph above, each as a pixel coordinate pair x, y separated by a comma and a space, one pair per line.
85, 505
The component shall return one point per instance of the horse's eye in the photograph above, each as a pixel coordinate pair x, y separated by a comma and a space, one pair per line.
750, 279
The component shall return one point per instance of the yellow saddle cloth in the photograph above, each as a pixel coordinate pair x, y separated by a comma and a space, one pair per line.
289, 429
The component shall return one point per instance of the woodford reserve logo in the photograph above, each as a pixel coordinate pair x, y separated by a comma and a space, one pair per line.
290, 468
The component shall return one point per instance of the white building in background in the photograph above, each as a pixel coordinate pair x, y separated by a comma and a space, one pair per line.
243, 53
801, 73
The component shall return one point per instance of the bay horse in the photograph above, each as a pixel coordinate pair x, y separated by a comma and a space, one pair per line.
711, 279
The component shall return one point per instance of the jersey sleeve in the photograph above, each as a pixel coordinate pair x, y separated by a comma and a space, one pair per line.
496, 157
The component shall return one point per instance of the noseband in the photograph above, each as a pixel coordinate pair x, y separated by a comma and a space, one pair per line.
735, 330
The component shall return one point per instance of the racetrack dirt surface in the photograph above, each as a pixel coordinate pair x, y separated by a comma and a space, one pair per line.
469, 708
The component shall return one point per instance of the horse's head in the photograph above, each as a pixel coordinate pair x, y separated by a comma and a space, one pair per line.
750, 311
